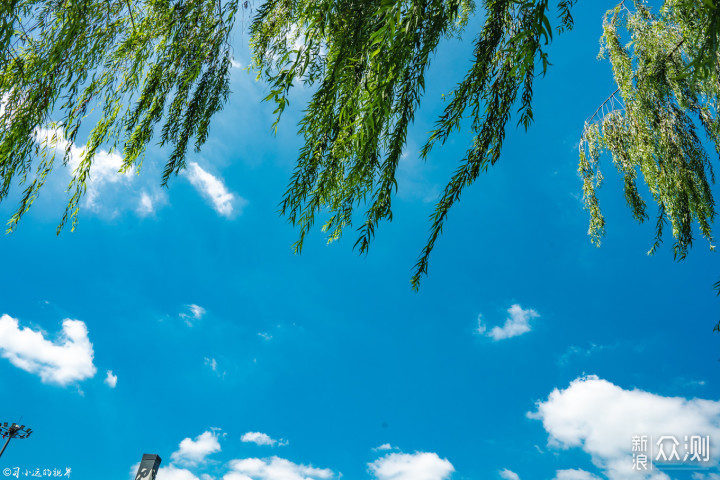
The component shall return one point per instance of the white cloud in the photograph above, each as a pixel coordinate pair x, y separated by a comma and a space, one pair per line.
705, 476
274, 468
416, 466
236, 476
110, 379
383, 447
104, 170
601, 418
3, 102
194, 312
192, 452
212, 363
575, 474
223, 201
149, 203
108, 190
197, 311
260, 438
516, 324
171, 472
145, 205
508, 474
63, 361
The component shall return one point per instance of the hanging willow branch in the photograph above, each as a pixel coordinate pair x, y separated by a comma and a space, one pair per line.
369, 60
665, 98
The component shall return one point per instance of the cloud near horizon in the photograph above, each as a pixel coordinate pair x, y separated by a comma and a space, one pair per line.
575, 474
602, 418
508, 474
411, 466
274, 468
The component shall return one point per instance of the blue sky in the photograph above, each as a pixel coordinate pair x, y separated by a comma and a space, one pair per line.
528, 353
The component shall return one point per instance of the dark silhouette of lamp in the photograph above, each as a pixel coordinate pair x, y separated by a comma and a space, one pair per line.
13, 431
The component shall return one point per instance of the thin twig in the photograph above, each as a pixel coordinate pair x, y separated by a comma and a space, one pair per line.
675, 49
132, 19
591, 117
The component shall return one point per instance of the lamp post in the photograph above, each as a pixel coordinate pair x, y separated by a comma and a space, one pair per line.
13, 431
147, 470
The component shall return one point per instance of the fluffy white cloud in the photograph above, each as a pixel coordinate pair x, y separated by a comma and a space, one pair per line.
508, 474
110, 379
223, 201
575, 474
173, 473
602, 418
65, 360
416, 466
260, 438
194, 312
274, 468
516, 324
235, 476
192, 452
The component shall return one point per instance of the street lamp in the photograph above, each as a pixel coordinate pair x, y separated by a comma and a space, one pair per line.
13, 431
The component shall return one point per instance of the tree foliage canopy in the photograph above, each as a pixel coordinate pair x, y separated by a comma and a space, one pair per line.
141, 63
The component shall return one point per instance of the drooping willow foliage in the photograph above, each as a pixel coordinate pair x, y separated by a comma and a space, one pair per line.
368, 59
657, 124
140, 63
136, 62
